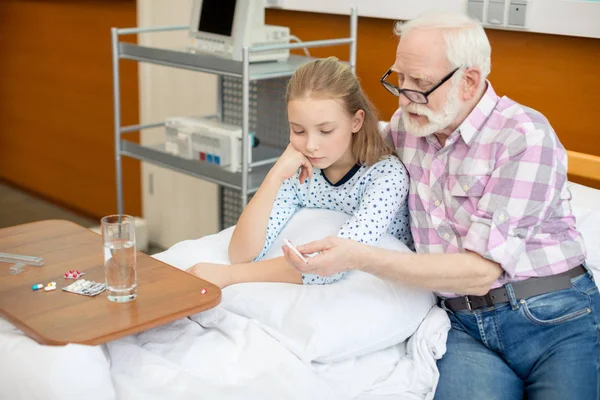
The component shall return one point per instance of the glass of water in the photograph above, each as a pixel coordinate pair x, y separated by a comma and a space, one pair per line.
118, 234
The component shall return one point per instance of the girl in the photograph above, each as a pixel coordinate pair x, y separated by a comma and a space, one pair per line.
337, 159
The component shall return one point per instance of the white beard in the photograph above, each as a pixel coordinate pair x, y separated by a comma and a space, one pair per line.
437, 120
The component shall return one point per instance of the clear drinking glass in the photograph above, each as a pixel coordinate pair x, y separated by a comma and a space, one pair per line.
118, 234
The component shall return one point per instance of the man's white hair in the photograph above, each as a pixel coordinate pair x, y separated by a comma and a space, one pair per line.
466, 42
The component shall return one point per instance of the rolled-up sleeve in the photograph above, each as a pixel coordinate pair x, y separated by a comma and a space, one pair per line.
517, 198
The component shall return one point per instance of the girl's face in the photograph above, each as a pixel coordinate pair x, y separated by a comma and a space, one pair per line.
322, 130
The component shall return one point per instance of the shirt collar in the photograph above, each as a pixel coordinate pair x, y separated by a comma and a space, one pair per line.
477, 118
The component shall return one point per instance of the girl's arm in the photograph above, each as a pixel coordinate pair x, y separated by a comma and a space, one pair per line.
274, 270
258, 225
250, 232
382, 206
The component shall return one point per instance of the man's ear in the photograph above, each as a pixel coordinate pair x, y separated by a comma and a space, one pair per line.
470, 82
357, 120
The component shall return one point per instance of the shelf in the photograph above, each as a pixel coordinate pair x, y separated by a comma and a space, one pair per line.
181, 57
196, 61
262, 156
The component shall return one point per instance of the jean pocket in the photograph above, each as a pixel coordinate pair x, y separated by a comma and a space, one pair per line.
585, 283
557, 307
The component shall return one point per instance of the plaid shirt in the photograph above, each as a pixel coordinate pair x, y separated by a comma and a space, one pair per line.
498, 188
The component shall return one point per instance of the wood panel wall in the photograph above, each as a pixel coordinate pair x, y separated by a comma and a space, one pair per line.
56, 129
56, 90
557, 75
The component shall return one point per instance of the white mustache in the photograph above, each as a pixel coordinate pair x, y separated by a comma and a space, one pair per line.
420, 109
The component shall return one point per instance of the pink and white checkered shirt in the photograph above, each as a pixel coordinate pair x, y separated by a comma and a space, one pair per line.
498, 187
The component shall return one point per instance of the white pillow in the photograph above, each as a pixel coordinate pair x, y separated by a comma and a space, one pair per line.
586, 209
355, 316
209, 249
589, 226
584, 197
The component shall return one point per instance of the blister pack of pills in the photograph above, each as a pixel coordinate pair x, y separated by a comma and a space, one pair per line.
86, 288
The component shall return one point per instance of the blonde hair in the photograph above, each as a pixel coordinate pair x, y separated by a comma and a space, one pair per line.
330, 78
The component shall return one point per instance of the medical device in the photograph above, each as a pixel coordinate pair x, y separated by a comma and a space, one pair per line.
294, 249
225, 27
18, 258
20, 261
208, 140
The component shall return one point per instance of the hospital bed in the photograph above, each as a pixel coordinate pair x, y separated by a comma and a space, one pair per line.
361, 338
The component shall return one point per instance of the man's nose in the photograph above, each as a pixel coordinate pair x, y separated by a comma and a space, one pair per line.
403, 101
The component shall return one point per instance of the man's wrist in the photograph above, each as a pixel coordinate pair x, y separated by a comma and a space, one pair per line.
366, 257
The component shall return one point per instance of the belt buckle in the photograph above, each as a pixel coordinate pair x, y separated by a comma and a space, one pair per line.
468, 303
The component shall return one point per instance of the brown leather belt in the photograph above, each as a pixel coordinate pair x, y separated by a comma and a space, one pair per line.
522, 289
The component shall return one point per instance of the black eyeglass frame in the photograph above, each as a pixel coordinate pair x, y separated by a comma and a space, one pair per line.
396, 91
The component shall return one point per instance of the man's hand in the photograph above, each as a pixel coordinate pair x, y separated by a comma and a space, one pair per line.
335, 255
217, 274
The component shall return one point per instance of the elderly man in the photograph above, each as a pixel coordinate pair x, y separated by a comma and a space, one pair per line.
492, 224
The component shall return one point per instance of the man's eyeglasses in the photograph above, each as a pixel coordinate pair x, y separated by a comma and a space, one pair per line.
413, 95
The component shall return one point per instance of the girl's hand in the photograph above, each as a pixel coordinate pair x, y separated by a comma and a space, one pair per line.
289, 162
217, 274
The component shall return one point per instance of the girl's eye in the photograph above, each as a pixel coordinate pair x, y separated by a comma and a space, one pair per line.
298, 132
326, 132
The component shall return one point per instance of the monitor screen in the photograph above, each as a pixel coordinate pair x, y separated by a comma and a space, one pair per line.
216, 16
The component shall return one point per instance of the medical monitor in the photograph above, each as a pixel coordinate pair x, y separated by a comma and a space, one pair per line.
216, 17
225, 27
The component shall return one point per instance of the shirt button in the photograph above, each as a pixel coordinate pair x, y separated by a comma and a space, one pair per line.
437, 203
466, 187
446, 236
501, 217
440, 157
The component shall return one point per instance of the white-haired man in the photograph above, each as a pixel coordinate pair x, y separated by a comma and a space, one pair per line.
492, 224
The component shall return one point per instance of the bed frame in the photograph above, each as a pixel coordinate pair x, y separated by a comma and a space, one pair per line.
584, 166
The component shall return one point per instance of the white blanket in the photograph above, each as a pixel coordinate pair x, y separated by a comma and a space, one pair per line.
221, 355
260, 343
215, 355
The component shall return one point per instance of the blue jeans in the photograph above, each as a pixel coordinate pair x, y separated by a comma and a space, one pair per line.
546, 346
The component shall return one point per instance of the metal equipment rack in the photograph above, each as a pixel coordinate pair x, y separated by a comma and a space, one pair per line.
250, 95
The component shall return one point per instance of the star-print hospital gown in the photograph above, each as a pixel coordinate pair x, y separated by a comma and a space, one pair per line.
375, 197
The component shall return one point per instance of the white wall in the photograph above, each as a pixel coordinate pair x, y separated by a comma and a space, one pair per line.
176, 206
562, 17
